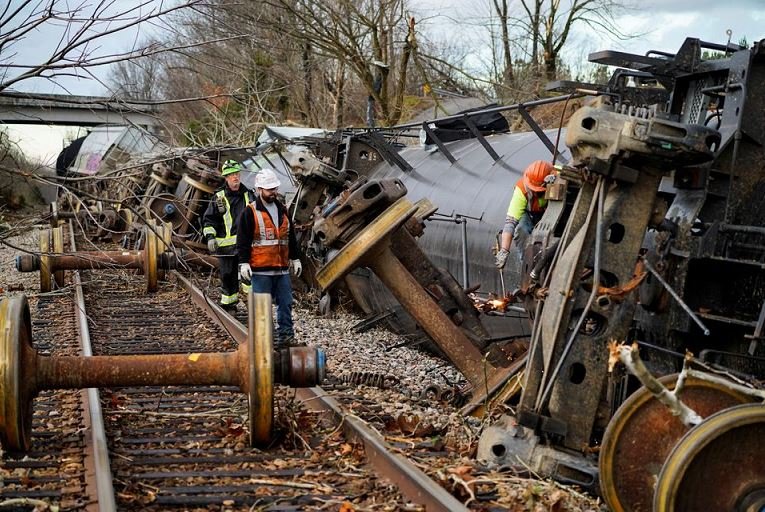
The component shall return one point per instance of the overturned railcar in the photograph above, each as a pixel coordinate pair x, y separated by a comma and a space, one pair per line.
472, 190
468, 177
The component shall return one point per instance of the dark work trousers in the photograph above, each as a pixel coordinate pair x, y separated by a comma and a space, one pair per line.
228, 269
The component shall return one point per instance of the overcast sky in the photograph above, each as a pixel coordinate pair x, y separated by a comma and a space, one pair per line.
660, 25
656, 24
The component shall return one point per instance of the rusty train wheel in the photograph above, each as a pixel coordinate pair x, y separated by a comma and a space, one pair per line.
15, 400
260, 386
58, 248
718, 465
641, 435
45, 261
151, 244
353, 253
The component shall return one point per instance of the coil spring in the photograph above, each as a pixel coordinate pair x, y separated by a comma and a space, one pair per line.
633, 111
449, 395
377, 380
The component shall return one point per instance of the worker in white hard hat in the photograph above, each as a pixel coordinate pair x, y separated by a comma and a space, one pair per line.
219, 228
267, 249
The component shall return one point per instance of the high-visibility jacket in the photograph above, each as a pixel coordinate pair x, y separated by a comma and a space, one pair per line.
270, 244
526, 201
228, 239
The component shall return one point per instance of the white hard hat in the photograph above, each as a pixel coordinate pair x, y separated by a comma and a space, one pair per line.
266, 178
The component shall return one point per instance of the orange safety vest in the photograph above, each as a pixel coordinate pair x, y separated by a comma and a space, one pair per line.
270, 247
535, 202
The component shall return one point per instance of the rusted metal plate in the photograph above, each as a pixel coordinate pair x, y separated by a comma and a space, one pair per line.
351, 212
641, 435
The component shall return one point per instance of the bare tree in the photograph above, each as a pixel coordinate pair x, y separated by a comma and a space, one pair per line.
556, 22
137, 79
543, 27
79, 28
374, 40
501, 8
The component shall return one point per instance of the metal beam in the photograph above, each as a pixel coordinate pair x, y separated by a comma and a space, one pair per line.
540, 133
438, 143
478, 135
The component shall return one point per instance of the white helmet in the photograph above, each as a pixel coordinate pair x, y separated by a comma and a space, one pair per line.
266, 178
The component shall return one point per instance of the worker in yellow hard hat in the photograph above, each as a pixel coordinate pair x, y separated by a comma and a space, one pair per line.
219, 228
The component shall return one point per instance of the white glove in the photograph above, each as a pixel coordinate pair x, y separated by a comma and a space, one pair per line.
212, 245
501, 258
245, 271
297, 267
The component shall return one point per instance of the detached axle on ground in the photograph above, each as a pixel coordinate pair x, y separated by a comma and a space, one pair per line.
253, 368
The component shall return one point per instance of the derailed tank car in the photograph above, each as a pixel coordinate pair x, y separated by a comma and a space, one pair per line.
469, 177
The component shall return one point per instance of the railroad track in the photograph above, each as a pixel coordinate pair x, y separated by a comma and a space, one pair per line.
185, 447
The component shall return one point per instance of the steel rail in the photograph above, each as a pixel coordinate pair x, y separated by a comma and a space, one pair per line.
410, 480
101, 475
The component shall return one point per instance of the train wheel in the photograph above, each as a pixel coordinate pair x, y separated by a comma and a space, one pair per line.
260, 391
15, 395
58, 248
151, 244
45, 261
718, 465
641, 435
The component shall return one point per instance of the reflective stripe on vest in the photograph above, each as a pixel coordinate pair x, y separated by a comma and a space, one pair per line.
535, 203
228, 239
270, 245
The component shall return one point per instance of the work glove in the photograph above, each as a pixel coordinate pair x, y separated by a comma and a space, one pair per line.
297, 267
550, 179
245, 271
212, 245
501, 258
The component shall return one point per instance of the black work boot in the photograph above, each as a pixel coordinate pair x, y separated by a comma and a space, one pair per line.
230, 308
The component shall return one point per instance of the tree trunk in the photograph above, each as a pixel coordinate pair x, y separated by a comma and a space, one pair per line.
409, 46
535, 36
305, 113
339, 95
551, 65
508, 78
